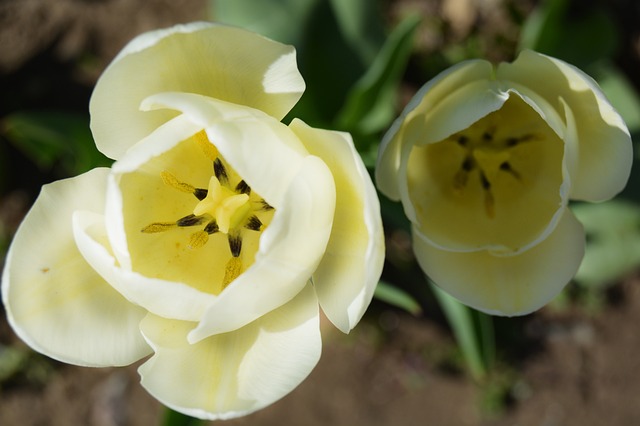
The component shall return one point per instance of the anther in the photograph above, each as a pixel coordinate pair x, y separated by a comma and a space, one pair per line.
506, 167
265, 206
158, 227
200, 193
198, 239
190, 220
173, 182
243, 188
220, 171
462, 140
212, 227
467, 164
254, 223
231, 271
486, 185
208, 149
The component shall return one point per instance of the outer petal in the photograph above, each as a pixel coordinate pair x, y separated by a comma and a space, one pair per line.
233, 374
508, 285
291, 248
603, 145
223, 62
430, 95
55, 301
351, 267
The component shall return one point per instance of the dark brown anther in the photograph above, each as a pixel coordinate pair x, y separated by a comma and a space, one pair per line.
468, 164
212, 227
235, 244
486, 185
254, 223
220, 171
243, 188
200, 193
190, 220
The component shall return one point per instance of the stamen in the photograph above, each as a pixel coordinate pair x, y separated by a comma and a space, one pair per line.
200, 193
173, 182
243, 188
254, 223
265, 206
486, 185
231, 271
235, 244
489, 201
506, 167
190, 220
198, 239
209, 149
220, 172
158, 227
212, 227
462, 140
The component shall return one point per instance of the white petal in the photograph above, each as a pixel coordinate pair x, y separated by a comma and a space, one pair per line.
427, 98
291, 248
55, 301
162, 297
263, 151
233, 374
603, 145
508, 285
351, 267
223, 62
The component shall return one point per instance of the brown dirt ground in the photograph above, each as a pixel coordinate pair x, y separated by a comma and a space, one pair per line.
565, 368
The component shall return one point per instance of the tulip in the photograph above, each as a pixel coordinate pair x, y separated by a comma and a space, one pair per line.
214, 238
485, 161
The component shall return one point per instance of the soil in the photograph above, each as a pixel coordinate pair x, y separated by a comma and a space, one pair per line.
567, 366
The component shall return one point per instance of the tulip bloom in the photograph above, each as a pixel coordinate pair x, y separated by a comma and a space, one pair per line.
212, 240
485, 160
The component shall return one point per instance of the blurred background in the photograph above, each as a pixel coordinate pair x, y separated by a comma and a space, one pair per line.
413, 360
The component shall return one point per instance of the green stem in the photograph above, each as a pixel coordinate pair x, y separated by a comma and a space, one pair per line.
173, 418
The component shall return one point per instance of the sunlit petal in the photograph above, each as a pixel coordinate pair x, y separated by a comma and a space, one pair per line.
54, 300
233, 374
352, 264
508, 285
224, 62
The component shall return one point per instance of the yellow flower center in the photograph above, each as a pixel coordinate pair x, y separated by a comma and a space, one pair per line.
496, 184
221, 208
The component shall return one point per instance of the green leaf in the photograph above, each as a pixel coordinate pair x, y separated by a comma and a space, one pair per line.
613, 241
579, 35
360, 24
620, 92
51, 138
396, 297
281, 20
371, 104
461, 321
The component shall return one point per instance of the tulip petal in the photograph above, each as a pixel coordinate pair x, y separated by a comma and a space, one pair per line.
54, 300
428, 97
233, 374
290, 250
352, 264
603, 145
220, 61
507, 285
245, 137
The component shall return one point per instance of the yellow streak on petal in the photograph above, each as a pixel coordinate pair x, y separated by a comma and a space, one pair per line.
173, 182
209, 149
198, 239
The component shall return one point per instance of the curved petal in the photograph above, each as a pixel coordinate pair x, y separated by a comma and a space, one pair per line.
262, 150
54, 300
162, 297
429, 95
219, 61
351, 267
603, 147
233, 374
508, 285
291, 248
